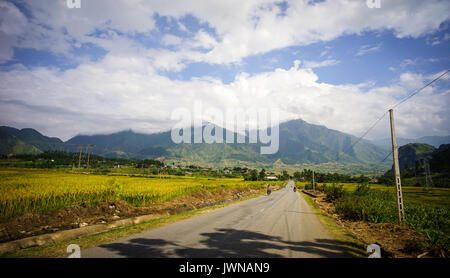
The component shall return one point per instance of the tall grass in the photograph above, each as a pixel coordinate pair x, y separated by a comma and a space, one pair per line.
377, 206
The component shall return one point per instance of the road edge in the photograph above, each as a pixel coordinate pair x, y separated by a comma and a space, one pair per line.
355, 247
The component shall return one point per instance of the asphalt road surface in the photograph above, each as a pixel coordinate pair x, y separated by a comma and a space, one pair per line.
281, 225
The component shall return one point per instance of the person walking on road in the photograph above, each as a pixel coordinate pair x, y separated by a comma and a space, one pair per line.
269, 190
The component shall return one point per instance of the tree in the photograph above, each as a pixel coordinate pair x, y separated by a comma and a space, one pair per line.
262, 174
285, 175
252, 175
297, 176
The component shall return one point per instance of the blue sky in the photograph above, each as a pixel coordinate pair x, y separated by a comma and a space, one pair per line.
132, 62
387, 56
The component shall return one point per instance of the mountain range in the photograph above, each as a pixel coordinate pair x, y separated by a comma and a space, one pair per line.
299, 143
434, 141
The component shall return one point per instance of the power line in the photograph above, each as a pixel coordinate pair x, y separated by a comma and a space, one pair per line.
418, 91
396, 105
365, 133
379, 163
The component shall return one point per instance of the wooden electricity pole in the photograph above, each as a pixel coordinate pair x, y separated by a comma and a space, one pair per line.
88, 152
398, 184
314, 184
79, 158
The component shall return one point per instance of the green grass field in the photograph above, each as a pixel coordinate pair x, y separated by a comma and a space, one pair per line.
37, 191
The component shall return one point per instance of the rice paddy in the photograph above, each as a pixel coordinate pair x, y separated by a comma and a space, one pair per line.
36, 191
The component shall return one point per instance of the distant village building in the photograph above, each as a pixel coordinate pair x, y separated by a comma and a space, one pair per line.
271, 178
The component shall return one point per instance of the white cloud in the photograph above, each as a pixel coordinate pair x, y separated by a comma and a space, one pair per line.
367, 49
242, 28
124, 90
317, 64
407, 62
119, 93
12, 23
171, 40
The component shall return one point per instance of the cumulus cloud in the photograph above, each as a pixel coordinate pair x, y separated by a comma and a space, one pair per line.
125, 90
12, 23
121, 93
241, 28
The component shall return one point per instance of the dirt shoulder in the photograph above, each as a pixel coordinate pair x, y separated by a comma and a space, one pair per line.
396, 241
106, 212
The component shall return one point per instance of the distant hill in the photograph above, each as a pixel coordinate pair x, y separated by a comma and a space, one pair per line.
440, 159
410, 153
34, 138
9, 144
300, 142
435, 141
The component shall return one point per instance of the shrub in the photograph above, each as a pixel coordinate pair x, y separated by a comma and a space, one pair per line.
322, 187
377, 206
372, 206
334, 192
433, 222
308, 186
362, 189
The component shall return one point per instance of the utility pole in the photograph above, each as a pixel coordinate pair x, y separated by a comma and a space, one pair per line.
314, 183
79, 159
88, 152
426, 169
398, 184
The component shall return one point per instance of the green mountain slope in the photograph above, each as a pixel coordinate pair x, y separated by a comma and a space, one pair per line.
300, 142
440, 159
408, 154
10, 144
36, 139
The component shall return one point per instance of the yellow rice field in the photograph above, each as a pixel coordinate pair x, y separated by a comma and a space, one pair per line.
36, 191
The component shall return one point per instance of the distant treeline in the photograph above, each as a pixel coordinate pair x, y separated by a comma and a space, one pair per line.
307, 175
51, 159
103, 165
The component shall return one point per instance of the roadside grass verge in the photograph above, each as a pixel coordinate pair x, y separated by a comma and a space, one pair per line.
350, 243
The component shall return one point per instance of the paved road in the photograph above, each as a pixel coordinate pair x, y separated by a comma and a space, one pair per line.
279, 225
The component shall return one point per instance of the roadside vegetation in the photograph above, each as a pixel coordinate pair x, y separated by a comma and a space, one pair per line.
378, 205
